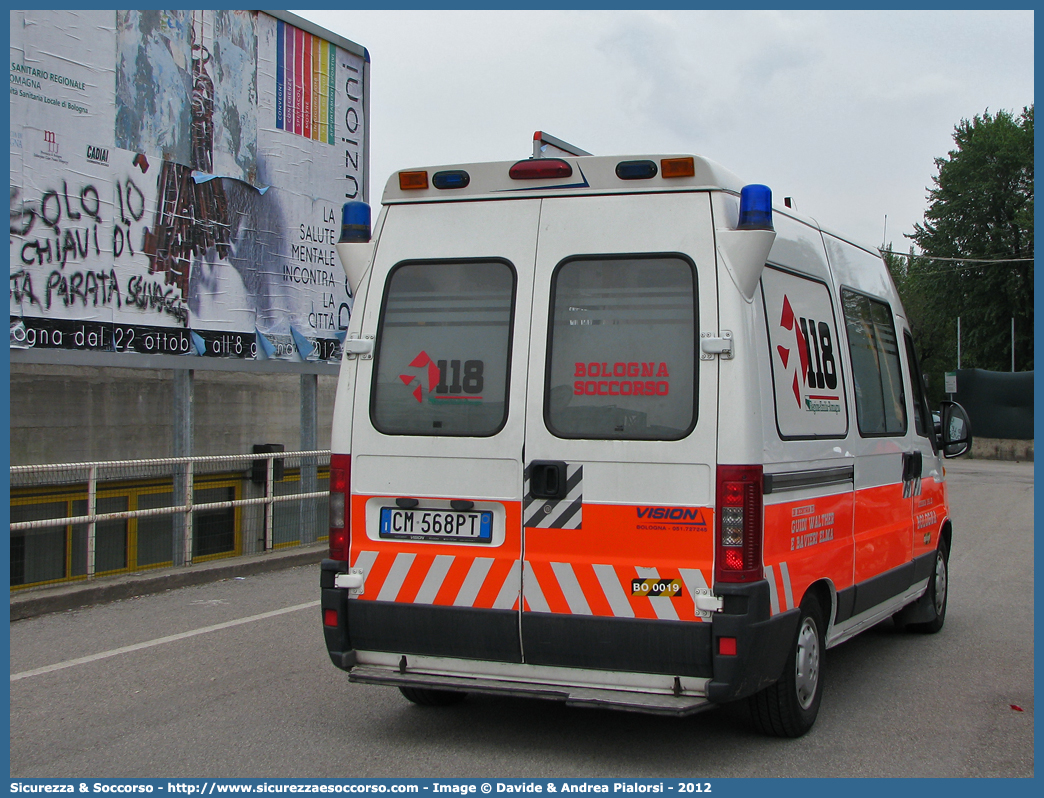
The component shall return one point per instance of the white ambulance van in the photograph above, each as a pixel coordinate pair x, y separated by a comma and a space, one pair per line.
618, 432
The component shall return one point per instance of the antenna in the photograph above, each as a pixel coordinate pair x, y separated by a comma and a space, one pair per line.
547, 146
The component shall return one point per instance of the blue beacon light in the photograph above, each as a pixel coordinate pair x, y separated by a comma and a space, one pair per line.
355, 223
755, 208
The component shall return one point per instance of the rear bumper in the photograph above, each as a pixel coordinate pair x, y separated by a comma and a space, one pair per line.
571, 688
668, 667
763, 641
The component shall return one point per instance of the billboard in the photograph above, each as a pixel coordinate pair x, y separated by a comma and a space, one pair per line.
176, 182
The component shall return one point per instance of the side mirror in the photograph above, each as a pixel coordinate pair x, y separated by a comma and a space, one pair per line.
955, 435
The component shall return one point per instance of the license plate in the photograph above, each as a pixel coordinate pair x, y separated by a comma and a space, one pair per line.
420, 524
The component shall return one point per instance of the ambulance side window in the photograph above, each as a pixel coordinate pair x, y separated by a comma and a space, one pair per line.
922, 416
622, 348
443, 348
876, 374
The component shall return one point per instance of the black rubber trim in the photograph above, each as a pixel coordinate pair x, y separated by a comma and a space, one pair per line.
763, 643
845, 604
881, 588
924, 566
423, 629
338, 643
328, 570
635, 645
859, 598
796, 480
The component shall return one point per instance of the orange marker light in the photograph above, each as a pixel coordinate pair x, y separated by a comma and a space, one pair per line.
678, 167
412, 181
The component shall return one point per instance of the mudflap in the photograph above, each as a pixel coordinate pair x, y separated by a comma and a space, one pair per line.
338, 642
763, 642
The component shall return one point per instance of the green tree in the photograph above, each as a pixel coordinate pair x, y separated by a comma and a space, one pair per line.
980, 209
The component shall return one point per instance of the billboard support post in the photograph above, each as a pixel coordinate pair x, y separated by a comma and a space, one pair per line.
309, 442
182, 447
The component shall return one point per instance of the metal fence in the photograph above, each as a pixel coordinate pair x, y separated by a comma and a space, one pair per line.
77, 521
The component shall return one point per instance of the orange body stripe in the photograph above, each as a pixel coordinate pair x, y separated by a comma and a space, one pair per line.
883, 537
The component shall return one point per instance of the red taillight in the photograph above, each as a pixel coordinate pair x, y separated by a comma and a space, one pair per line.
726, 645
329, 617
737, 547
540, 168
340, 495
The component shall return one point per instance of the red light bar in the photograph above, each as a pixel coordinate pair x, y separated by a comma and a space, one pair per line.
540, 168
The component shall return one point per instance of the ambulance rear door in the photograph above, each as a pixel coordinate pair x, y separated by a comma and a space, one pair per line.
620, 435
438, 433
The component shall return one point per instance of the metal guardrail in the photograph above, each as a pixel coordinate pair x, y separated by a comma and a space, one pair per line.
182, 471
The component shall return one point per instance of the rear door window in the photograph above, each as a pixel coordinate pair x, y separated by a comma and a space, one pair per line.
443, 349
621, 350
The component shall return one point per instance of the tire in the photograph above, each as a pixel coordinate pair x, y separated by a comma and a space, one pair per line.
938, 590
789, 707
426, 697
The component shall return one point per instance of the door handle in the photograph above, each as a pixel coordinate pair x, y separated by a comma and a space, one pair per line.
547, 479
911, 465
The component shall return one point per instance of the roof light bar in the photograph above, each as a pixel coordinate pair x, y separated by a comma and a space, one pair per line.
413, 181
678, 167
636, 170
541, 168
455, 178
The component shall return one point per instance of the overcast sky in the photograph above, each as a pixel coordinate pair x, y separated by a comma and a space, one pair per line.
843, 111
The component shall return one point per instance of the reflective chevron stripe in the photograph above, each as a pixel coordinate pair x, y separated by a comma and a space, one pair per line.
556, 587
606, 590
444, 579
775, 605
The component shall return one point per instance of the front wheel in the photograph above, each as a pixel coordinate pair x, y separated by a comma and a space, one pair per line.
938, 587
426, 697
789, 707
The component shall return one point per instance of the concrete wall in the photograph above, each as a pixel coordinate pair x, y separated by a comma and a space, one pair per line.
66, 414
1002, 449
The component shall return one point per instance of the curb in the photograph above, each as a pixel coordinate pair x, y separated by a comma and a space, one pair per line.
42, 601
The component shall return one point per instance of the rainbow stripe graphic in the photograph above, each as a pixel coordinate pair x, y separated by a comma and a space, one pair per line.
305, 65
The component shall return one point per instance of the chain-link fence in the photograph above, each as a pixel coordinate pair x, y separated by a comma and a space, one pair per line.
82, 520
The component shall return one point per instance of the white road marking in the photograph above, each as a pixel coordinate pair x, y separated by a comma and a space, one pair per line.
160, 641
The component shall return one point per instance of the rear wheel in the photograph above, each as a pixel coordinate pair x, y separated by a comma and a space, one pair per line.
938, 587
789, 707
426, 697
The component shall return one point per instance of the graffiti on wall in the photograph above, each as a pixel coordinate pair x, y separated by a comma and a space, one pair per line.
194, 227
